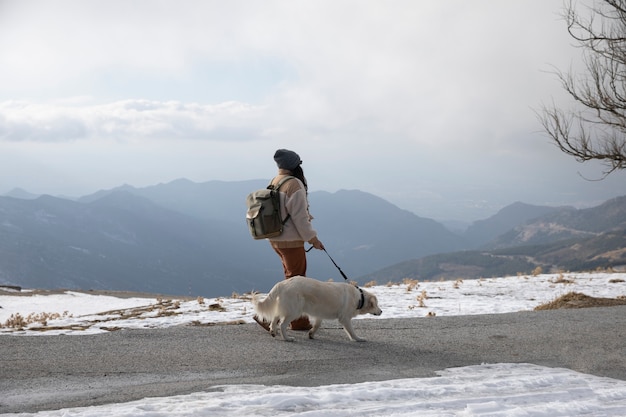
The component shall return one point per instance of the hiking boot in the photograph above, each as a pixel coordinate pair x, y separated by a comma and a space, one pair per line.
302, 323
262, 323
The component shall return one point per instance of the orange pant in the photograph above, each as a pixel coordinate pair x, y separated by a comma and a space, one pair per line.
294, 261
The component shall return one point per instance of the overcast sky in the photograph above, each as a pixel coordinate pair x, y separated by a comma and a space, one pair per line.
428, 104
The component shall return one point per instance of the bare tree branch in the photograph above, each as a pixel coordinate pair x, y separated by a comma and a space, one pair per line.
596, 129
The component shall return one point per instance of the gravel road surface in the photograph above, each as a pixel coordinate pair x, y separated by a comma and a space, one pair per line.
51, 372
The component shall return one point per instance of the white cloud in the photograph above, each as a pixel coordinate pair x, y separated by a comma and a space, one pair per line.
440, 94
128, 120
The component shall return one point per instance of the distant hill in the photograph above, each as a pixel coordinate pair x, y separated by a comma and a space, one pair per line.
565, 239
566, 224
361, 231
21, 193
607, 250
484, 231
191, 238
470, 264
121, 242
212, 200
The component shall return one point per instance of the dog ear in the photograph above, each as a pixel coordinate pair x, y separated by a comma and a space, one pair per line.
372, 301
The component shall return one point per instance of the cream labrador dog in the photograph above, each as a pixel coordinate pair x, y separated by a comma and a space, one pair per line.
293, 297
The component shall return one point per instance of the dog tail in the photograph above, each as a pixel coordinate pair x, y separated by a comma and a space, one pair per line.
264, 308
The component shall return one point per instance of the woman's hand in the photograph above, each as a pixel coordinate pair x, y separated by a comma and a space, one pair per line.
317, 244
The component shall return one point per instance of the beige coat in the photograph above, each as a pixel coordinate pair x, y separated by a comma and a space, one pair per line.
293, 201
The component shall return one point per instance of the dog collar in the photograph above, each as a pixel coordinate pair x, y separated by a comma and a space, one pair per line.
362, 300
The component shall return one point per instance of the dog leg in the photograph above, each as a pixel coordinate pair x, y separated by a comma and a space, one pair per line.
273, 326
347, 326
283, 331
316, 325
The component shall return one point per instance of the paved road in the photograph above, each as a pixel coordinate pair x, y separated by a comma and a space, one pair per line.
50, 372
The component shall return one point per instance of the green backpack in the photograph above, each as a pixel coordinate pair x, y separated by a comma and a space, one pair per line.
263, 216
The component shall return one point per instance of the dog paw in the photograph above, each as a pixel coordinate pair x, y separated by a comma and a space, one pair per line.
289, 339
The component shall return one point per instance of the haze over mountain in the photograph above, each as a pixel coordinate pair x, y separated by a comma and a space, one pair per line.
483, 231
187, 238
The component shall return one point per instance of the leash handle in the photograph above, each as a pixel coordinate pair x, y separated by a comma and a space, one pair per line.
333, 261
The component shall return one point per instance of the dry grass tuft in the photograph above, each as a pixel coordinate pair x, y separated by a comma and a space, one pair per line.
19, 322
420, 298
562, 280
216, 307
411, 284
578, 300
248, 296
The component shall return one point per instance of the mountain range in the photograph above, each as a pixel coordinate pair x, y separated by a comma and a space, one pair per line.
562, 239
187, 238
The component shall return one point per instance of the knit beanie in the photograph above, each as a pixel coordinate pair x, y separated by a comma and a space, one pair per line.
286, 159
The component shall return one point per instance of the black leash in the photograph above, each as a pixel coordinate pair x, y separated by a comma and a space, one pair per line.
333, 261
362, 300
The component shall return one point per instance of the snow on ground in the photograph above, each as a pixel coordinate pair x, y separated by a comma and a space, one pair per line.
483, 390
83, 313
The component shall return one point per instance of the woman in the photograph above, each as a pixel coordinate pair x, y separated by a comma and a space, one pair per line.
298, 229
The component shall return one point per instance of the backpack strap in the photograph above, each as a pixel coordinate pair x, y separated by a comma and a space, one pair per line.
281, 182
277, 187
